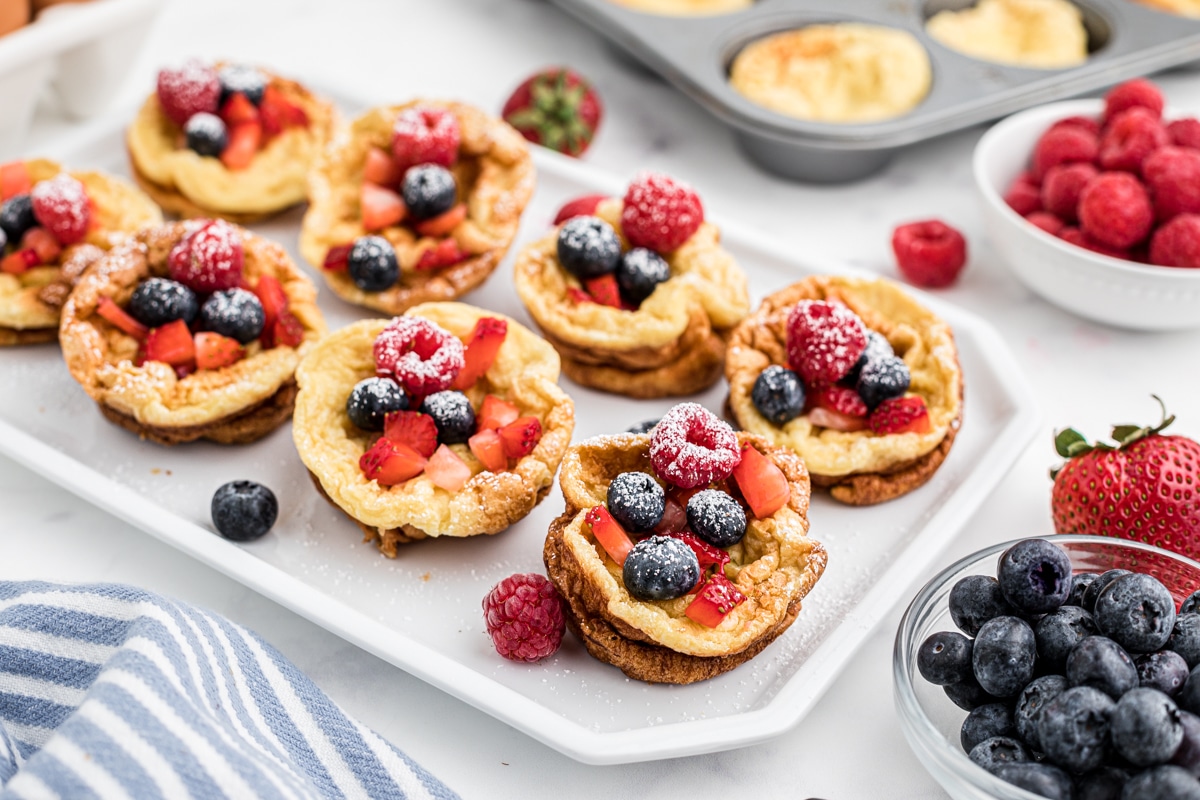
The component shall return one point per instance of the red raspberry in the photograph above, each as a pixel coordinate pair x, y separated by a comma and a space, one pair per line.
1177, 244
660, 213
841, 399
1061, 188
1185, 132
209, 259
1024, 196
1086, 123
1173, 177
192, 88
1115, 210
524, 617
824, 341
1137, 92
425, 135
61, 205
929, 253
1046, 221
1129, 137
690, 446
1062, 145
422, 356
1072, 235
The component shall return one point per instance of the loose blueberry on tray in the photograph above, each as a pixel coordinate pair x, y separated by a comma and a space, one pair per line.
244, 510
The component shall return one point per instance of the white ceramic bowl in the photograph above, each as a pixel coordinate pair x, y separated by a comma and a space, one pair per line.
1108, 290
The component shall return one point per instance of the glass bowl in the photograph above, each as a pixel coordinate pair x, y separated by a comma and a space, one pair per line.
930, 721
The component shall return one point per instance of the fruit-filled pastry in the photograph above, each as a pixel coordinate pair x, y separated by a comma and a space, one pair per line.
855, 376
635, 293
446, 421
192, 330
51, 219
683, 552
415, 203
227, 140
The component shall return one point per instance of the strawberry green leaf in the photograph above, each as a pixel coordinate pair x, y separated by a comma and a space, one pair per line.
1068, 438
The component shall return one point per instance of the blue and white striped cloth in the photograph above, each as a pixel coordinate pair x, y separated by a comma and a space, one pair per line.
113, 692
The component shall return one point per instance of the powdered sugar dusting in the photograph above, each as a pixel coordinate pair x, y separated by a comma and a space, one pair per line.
824, 341
691, 446
423, 356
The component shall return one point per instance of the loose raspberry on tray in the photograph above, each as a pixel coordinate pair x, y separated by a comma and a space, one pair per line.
693, 447
421, 355
524, 616
824, 341
660, 213
929, 253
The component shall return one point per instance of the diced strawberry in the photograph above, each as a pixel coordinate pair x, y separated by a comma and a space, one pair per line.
412, 428
488, 448
118, 317
578, 295
244, 140
824, 418
19, 261
674, 518
287, 331
443, 224
380, 169
901, 415
171, 343
338, 258
520, 437
604, 290
445, 254
841, 399
763, 484
42, 242
238, 110
14, 179
714, 602
481, 345
579, 207
214, 351
495, 413
269, 292
388, 463
706, 554
380, 207
609, 533
447, 470
279, 113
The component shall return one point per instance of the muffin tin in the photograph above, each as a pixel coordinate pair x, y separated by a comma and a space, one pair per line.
694, 53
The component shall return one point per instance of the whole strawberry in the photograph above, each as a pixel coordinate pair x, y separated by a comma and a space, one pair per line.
1145, 488
556, 108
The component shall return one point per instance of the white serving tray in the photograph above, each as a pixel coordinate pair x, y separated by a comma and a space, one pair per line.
422, 611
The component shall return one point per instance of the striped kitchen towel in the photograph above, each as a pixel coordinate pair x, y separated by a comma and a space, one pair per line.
113, 692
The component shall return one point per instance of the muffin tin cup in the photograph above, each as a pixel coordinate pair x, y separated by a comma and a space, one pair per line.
694, 54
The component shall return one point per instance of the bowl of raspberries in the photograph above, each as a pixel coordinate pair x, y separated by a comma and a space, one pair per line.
1066, 667
1095, 206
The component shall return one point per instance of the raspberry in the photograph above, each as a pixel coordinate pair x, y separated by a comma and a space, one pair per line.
1061, 188
1086, 123
192, 88
1137, 92
660, 213
1115, 210
824, 341
1062, 145
425, 135
1185, 132
422, 356
1173, 177
843, 400
929, 253
61, 206
209, 259
692, 447
1024, 196
1046, 221
1129, 137
1072, 235
524, 617
1177, 244
900, 415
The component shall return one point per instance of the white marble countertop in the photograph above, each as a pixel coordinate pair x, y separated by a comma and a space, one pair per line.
850, 746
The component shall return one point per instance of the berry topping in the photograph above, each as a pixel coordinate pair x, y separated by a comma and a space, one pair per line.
604, 290
235, 313
447, 470
443, 224
192, 88
1130, 136
16, 217
43, 243
609, 533
244, 141
520, 436
157, 301
1063, 144
244, 510
429, 190
1138, 92
480, 350
112, 312
692, 447
1115, 210
61, 206
762, 483
900, 415
452, 414
929, 253
706, 554
495, 413
1062, 187
446, 253
418, 431
372, 264
422, 356
579, 207
14, 179
660, 568
280, 113
778, 394
206, 134
381, 169
487, 447
636, 501
1177, 244
214, 351
714, 602
1172, 176
171, 344
639, 272
242, 79
237, 110
388, 463
660, 213
588, 247
716, 518
883, 379
945, 657
645, 426
210, 259
1024, 196
524, 617
425, 135
556, 108
380, 207
824, 341
841, 400
877, 347
371, 400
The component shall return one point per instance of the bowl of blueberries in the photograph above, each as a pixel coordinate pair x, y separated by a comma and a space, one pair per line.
1063, 668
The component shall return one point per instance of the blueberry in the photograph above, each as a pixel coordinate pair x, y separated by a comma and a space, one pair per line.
1004, 655
1165, 670
16, 217
1162, 783
944, 658
244, 510
453, 415
428, 190
588, 247
1046, 780
1185, 638
639, 272
778, 394
645, 426
882, 379
1059, 631
1073, 729
1145, 727
969, 695
157, 301
636, 501
3, 241
1137, 612
244, 79
716, 517
1030, 702
877, 347
235, 313
660, 568
994, 719
974, 600
1035, 576
1080, 581
206, 134
1102, 664
1103, 783
1105, 578
993, 753
372, 264
1192, 603
372, 399
1187, 755
1189, 696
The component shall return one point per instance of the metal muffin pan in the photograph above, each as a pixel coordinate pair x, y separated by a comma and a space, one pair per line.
695, 52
